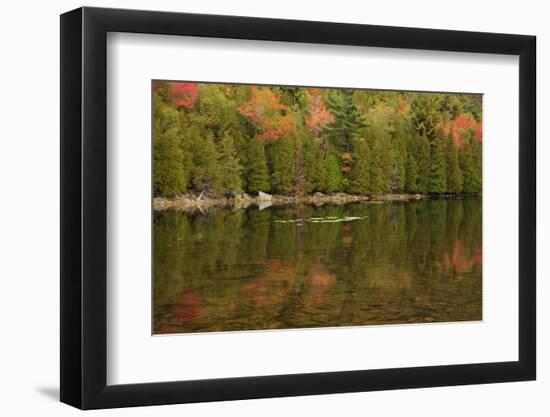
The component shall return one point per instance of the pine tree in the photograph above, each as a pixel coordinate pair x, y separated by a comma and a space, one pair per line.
348, 121
257, 174
230, 166
282, 165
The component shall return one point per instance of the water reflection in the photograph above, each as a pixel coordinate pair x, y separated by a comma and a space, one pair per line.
306, 266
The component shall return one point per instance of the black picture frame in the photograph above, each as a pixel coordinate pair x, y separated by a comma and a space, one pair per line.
84, 207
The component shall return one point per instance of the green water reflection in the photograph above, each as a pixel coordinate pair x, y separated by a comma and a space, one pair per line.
400, 262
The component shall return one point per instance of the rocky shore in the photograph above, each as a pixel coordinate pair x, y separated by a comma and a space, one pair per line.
263, 200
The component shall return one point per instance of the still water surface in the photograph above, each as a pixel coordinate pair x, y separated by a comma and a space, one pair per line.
305, 266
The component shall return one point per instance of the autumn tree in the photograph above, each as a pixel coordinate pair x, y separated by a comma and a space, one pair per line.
267, 115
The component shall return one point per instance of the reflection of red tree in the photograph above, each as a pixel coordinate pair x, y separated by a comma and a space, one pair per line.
459, 261
272, 286
191, 306
320, 280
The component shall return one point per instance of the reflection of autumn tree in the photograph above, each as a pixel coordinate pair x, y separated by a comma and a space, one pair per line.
251, 272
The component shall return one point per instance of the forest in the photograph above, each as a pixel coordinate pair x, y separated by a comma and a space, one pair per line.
221, 140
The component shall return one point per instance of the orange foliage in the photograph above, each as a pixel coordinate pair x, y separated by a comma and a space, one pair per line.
265, 111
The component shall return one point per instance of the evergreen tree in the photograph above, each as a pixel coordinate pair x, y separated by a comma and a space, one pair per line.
230, 166
471, 173
313, 165
411, 175
348, 121
169, 176
207, 173
361, 169
438, 164
423, 164
425, 108
282, 165
257, 174
454, 173
331, 177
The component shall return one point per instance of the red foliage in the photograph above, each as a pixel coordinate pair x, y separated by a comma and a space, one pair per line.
455, 128
184, 94
265, 111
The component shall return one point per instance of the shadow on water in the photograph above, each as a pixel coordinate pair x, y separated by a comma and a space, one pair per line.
306, 266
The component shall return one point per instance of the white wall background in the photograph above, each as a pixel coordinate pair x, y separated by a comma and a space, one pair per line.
29, 225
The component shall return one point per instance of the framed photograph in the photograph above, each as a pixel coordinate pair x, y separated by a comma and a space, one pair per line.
258, 208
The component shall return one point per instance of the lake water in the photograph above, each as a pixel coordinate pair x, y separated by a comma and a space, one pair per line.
303, 266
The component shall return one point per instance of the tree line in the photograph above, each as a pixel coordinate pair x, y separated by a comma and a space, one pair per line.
226, 139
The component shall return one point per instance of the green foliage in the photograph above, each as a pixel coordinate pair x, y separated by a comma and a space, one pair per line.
257, 174
223, 139
470, 164
361, 170
282, 165
438, 168
169, 176
348, 121
411, 175
208, 175
331, 176
313, 165
454, 173
230, 166
426, 114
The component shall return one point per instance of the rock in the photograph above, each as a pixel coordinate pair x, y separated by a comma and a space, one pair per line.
264, 196
245, 196
318, 194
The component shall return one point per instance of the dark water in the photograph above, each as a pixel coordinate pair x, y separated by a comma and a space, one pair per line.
358, 264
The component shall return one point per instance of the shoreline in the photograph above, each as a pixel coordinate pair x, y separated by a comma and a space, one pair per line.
244, 200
